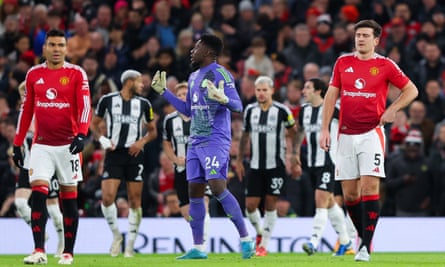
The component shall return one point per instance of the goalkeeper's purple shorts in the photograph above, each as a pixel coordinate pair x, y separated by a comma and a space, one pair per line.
205, 163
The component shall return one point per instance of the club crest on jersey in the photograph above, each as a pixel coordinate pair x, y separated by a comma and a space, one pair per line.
64, 80
374, 71
195, 98
359, 83
51, 93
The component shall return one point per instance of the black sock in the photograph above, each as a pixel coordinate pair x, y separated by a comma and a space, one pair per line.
355, 212
39, 216
70, 222
370, 218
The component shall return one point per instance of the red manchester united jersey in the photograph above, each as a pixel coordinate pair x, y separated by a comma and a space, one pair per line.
363, 88
60, 101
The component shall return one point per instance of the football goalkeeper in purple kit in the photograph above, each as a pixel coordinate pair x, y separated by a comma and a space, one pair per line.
211, 98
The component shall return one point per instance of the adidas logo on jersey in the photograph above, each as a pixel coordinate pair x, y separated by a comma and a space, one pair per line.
323, 186
350, 69
40, 81
276, 191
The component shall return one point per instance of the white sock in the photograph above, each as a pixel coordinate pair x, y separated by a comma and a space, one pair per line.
200, 247
337, 218
270, 217
23, 209
352, 232
57, 218
320, 220
134, 220
110, 214
255, 219
206, 228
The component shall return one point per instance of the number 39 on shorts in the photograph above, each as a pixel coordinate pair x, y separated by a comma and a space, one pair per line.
211, 162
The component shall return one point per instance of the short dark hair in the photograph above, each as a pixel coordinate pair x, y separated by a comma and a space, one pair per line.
213, 42
319, 85
55, 33
369, 23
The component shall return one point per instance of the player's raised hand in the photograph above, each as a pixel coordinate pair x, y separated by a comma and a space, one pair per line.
216, 93
159, 82
17, 156
77, 144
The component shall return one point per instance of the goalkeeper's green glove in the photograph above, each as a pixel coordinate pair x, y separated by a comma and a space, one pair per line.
216, 93
159, 82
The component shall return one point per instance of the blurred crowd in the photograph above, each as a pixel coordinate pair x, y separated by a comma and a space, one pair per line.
288, 40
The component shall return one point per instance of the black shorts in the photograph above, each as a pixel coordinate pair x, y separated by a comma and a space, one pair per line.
182, 188
322, 178
23, 182
265, 182
121, 165
337, 189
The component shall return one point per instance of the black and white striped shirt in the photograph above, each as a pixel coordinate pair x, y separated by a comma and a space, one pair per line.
267, 134
177, 131
310, 120
125, 119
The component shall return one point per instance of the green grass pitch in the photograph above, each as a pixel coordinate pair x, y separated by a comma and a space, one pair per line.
234, 260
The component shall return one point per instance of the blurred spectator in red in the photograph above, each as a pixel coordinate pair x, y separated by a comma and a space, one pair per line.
349, 13
25, 15
293, 96
160, 180
399, 130
121, 10
398, 36
403, 10
283, 74
281, 10
312, 14
323, 37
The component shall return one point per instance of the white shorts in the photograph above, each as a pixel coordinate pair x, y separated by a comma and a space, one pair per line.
45, 161
360, 154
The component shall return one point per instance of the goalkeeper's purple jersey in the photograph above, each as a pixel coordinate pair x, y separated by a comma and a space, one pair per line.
210, 120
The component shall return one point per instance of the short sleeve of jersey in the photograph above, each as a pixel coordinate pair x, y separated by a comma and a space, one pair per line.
300, 117
148, 110
167, 129
102, 106
246, 119
288, 117
335, 77
396, 75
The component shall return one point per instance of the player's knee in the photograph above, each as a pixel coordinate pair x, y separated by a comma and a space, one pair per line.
20, 203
